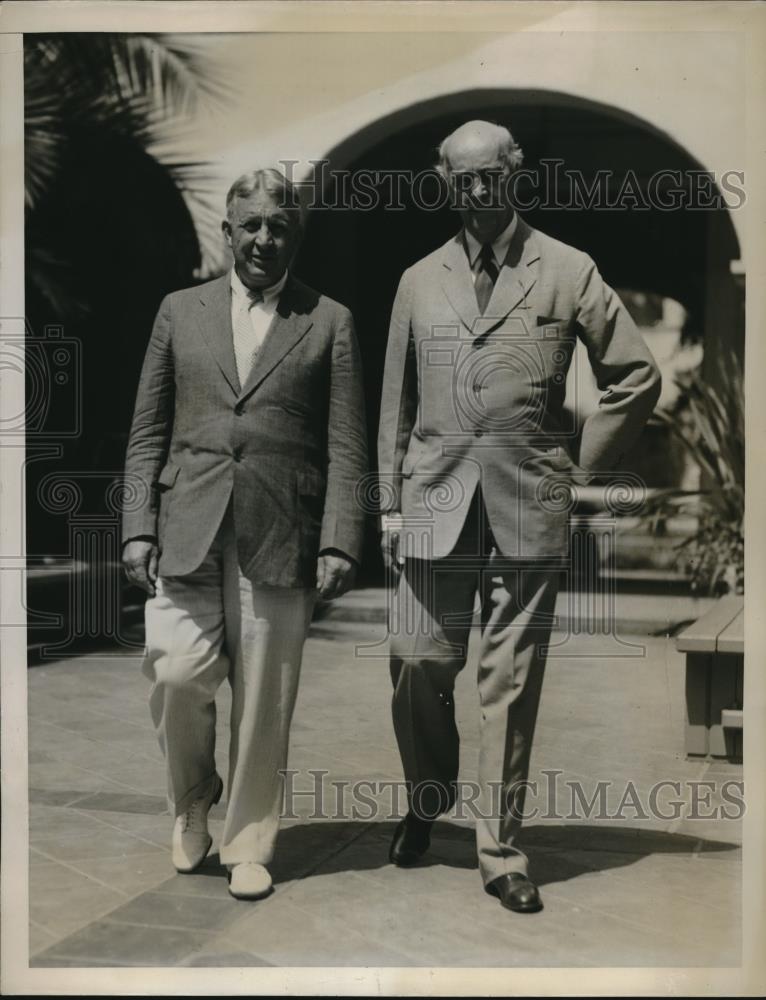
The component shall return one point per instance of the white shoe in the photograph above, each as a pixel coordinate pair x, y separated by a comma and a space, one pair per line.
249, 880
191, 839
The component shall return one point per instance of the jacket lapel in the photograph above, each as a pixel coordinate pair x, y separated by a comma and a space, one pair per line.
457, 282
292, 320
215, 326
515, 281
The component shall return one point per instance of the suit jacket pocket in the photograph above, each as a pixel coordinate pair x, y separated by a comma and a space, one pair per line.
168, 476
310, 483
559, 458
311, 500
550, 321
165, 482
412, 456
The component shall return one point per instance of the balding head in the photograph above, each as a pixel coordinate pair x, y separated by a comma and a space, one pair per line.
477, 161
479, 145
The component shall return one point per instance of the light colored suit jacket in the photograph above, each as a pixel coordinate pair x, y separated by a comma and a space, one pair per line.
288, 447
471, 399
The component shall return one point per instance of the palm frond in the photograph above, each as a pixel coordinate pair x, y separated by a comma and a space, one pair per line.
133, 85
199, 188
174, 69
102, 88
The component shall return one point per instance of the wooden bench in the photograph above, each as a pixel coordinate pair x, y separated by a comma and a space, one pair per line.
715, 648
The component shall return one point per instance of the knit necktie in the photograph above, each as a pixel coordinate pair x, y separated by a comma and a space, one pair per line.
245, 346
486, 276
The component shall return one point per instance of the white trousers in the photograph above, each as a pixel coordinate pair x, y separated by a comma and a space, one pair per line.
201, 629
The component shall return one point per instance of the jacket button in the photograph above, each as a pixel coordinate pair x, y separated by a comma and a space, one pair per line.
478, 434
238, 454
239, 409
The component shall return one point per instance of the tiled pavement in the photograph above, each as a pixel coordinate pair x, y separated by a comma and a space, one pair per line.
631, 892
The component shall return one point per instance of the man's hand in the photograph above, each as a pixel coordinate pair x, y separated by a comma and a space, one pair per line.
335, 574
139, 558
389, 544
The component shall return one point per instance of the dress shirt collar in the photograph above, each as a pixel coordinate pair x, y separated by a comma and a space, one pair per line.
499, 246
239, 289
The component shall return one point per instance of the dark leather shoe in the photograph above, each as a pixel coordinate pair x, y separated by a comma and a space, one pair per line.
516, 893
412, 838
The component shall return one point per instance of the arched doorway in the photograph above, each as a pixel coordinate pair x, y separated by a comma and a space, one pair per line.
358, 256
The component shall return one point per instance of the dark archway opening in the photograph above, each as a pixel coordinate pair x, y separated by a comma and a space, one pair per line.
113, 235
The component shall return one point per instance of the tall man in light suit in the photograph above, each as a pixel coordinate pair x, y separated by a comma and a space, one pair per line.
472, 446
249, 431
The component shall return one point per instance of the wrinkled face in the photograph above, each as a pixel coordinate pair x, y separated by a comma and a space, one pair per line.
479, 178
263, 238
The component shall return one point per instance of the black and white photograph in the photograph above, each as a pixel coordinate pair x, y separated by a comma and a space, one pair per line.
373, 476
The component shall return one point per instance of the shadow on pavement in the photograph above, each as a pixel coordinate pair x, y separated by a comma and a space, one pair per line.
556, 852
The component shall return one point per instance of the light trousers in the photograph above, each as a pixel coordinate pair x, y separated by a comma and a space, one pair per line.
202, 629
431, 622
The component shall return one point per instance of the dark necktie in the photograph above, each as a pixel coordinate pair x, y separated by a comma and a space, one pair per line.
486, 276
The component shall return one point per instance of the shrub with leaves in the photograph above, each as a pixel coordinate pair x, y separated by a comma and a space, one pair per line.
710, 423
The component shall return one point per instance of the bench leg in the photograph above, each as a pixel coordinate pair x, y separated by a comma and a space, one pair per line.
697, 703
725, 692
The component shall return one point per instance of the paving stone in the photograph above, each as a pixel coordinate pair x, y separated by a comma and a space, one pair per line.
286, 934
71, 745
154, 830
569, 932
716, 835
108, 943
114, 731
55, 712
140, 776
40, 938
403, 921
55, 796
65, 909
208, 881
184, 912
49, 876
46, 821
619, 896
48, 960
118, 802
131, 874
430, 879
56, 775
100, 844
683, 876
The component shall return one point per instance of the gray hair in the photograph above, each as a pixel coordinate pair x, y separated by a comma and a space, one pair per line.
510, 151
273, 182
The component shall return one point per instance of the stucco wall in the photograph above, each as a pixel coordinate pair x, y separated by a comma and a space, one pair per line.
688, 86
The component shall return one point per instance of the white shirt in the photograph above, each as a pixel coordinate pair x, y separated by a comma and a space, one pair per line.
260, 313
499, 246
